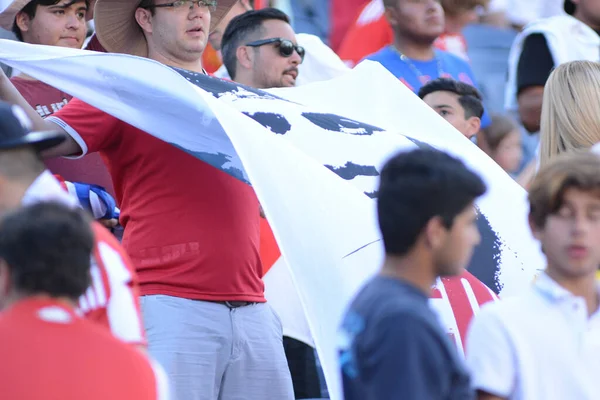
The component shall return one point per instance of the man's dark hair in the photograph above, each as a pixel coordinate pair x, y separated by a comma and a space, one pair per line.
417, 186
468, 96
48, 248
31, 8
243, 29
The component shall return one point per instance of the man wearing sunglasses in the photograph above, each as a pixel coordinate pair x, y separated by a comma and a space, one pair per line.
260, 50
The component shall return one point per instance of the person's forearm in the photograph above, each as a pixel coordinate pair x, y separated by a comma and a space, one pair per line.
10, 94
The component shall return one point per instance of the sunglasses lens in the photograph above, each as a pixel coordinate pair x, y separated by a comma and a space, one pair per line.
300, 51
286, 48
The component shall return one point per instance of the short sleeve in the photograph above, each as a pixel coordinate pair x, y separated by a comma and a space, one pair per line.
490, 355
405, 360
92, 129
535, 63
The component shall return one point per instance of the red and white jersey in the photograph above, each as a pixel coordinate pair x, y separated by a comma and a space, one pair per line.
113, 298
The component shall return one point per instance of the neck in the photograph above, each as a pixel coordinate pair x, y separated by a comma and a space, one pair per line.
194, 66
583, 286
13, 192
586, 20
412, 269
414, 50
17, 297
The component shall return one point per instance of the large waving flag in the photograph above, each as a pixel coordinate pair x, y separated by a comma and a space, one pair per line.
313, 155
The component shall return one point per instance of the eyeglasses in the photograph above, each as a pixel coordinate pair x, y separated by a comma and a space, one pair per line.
211, 4
286, 47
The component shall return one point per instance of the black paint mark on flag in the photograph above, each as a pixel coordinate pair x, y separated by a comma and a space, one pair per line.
351, 170
336, 123
275, 122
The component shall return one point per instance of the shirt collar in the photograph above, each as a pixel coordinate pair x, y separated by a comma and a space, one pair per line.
551, 289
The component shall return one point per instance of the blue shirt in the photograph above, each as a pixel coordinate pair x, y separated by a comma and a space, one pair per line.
393, 347
450, 65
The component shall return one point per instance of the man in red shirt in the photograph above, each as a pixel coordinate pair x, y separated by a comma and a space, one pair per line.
192, 231
112, 299
54, 23
48, 350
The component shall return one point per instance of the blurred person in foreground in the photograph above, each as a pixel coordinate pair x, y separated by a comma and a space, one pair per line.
544, 344
48, 350
392, 344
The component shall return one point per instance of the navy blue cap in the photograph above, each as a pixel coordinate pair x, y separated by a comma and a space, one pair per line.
15, 131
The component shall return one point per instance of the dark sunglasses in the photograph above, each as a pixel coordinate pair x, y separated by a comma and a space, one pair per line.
286, 47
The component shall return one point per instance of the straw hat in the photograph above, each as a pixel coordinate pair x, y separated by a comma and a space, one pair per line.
7, 17
119, 32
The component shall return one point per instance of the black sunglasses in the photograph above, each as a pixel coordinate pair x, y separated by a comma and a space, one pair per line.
286, 47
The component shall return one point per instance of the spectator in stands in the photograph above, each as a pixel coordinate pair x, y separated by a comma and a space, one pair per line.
54, 23
512, 347
112, 300
412, 57
45, 254
393, 346
503, 142
260, 49
570, 110
458, 103
372, 30
273, 64
541, 47
202, 283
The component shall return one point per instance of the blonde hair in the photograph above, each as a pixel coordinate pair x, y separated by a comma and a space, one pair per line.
570, 109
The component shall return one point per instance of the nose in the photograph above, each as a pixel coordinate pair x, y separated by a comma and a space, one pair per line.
197, 9
74, 22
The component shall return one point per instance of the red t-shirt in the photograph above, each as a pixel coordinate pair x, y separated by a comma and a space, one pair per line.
191, 230
48, 352
47, 100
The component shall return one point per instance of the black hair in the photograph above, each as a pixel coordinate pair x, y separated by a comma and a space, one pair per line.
241, 29
31, 8
416, 186
48, 248
468, 96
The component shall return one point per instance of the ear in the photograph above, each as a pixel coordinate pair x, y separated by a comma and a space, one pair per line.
245, 56
144, 19
5, 286
23, 21
473, 127
536, 231
435, 233
390, 15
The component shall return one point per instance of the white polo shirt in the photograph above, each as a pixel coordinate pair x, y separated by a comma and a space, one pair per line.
537, 346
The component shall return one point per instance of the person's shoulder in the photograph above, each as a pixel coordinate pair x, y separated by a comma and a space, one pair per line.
382, 54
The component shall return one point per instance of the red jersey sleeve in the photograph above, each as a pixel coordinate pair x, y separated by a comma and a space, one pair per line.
113, 298
92, 129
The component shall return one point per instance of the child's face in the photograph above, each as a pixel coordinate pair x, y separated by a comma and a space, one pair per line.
447, 105
509, 152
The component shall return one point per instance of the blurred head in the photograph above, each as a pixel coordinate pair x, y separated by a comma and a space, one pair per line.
415, 21
503, 141
426, 203
460, 13
260, 49
570, 109
240, 7
53, 23
587, 11
45, 249
175, 31
458, 103
564, 214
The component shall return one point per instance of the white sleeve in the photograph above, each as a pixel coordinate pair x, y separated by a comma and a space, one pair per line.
163, 391
490, 354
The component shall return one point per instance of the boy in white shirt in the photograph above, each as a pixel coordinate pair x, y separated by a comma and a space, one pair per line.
545, 343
